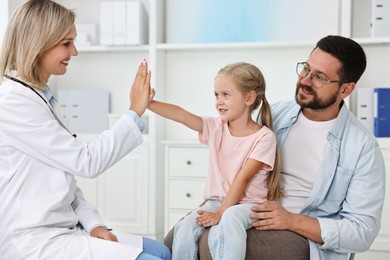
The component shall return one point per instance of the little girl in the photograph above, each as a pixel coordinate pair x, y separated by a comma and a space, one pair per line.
243, 168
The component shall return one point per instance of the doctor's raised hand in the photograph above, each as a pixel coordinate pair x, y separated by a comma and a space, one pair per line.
141, 93
43, 212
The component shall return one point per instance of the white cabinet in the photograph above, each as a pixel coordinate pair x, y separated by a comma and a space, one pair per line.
186, 170
123, 194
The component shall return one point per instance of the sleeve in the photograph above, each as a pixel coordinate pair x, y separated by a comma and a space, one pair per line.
88, 215
358, 223
29, 125
136, 119
264, 150
211, 130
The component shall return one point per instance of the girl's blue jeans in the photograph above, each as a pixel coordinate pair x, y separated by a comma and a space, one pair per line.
227, 240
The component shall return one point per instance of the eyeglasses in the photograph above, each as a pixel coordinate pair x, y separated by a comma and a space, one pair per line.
318, 79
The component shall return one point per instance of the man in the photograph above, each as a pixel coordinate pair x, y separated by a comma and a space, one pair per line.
333, 173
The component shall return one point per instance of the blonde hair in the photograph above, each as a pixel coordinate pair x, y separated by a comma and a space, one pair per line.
34, 27
247, 78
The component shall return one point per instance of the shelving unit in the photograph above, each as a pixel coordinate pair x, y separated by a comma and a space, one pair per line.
183, 73
105, 49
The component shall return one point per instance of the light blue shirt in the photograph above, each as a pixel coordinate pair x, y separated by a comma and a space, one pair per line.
347, 198
136, 119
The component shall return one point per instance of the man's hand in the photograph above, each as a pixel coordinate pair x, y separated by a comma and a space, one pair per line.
271, 215
103, 233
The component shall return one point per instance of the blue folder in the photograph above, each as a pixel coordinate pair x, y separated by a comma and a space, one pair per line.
382, 112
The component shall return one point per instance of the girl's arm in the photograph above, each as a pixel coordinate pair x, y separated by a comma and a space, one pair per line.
234, 195
177, 114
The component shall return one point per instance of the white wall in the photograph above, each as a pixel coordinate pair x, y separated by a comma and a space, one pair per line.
249, 20
190, 78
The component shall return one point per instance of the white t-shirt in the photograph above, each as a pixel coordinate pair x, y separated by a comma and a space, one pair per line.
301, 157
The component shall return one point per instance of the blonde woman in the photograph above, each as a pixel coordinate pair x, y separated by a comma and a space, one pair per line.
43, 212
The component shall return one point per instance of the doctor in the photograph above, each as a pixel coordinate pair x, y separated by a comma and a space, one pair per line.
43, 214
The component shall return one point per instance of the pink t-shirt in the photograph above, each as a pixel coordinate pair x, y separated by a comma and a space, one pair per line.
227, 155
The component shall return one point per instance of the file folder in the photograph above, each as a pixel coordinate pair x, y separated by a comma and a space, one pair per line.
380, 22
106, 23
365, 107
382, 112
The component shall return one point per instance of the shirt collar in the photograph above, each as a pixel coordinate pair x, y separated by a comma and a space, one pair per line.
48, 93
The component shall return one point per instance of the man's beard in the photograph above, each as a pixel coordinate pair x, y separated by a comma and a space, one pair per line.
315, 103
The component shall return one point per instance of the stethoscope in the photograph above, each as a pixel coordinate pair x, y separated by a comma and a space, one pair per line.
44, 100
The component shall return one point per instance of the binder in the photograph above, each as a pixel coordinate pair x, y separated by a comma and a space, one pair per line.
380, 18
106, 23
123, 23
119, 22
382, 112
365, 107
136, 23
86, 34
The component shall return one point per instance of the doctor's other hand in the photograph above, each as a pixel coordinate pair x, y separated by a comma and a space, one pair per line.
141, 93
270, 215
102, 233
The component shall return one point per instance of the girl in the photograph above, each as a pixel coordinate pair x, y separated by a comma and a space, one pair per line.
243, 168
43, 212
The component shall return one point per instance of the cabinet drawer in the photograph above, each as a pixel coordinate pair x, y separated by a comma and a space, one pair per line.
185, 194
188, 162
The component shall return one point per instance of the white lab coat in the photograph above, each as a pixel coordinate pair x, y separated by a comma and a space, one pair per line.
40, 203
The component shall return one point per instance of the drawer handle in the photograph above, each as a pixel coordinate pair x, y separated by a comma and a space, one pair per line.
188, 162
188, 195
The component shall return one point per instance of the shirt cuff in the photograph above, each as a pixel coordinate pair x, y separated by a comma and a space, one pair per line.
329, 233
133, 115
